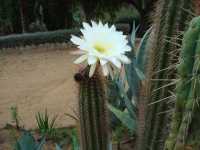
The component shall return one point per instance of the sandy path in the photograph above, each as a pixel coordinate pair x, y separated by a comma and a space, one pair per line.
34, 79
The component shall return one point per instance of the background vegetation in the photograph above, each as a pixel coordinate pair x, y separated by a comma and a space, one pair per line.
18, 16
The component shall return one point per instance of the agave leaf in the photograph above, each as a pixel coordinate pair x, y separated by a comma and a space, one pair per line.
27, 142
130, 107
133, 35
132, 76
124, 117
135, 71
140, 74
141, 53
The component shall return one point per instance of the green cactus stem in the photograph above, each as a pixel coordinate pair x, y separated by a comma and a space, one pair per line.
93, 112
168, 22
187, 91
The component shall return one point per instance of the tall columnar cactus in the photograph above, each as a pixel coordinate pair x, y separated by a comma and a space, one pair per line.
93, 114
167, 24
187, 93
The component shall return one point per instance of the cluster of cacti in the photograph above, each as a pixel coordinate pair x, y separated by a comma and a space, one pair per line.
183, 131
163, 44
93, 111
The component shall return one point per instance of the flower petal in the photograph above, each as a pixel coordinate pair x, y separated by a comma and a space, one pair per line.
105, 70
124, 59
76, 40
110, 72
116, 62
86, 26
81, 59
100, 24
106, 25
127, 48
94, 24
92, 60
113, 28
103, 61
77, 52
92, 70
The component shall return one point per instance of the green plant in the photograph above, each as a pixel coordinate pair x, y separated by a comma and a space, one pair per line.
45, 125
185, 121
163, 44
27, 142
93, 112
120, 98
74, 139
15, 116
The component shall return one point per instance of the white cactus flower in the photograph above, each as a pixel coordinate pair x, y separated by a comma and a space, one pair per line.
101, 44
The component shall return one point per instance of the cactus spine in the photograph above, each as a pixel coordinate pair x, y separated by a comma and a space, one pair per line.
166, 28
93, 114
187, 91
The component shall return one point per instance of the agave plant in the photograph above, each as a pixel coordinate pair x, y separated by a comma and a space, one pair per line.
27, 142
123, 100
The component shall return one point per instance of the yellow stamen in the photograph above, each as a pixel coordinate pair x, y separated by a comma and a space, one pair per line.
100, 48
103, 48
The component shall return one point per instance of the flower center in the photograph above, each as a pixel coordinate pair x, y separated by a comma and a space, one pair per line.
100, 48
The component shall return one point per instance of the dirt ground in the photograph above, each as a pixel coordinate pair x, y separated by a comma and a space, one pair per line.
35, 79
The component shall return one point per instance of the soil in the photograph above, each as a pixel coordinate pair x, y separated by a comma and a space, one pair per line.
36, 78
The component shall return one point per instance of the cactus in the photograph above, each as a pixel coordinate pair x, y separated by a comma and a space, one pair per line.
93, 112
168, 22
187, 91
